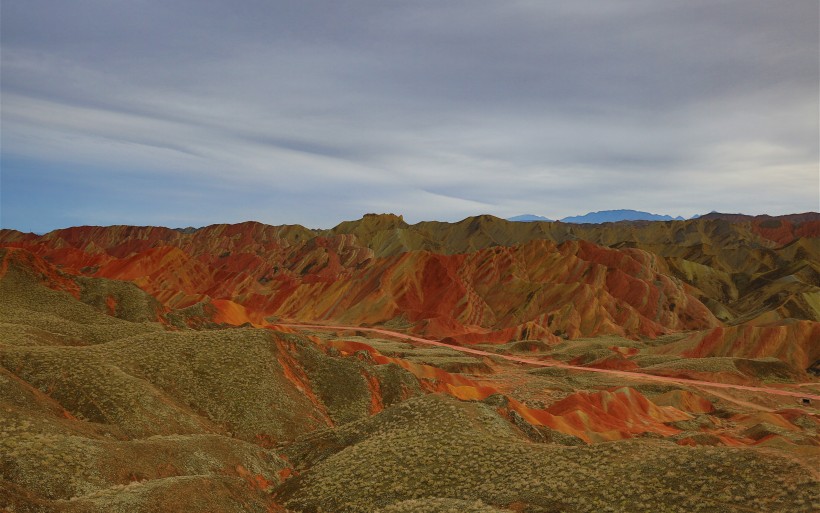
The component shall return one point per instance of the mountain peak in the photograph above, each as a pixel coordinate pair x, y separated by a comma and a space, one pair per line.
528, 218
370, 223
614, 216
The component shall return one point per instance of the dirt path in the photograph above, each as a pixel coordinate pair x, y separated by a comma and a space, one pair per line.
736, 401
541, 363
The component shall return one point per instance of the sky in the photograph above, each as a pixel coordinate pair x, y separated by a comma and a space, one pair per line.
193, 112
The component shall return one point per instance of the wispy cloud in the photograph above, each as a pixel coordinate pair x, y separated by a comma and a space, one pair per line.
314, 111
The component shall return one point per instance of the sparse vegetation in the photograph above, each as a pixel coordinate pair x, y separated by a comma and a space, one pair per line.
112, 401
438, 447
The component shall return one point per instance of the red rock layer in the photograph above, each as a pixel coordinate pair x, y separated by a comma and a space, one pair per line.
45, 273
598, 416
252, 271
795, 343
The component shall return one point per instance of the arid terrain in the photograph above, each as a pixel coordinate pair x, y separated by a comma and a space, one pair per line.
477, 366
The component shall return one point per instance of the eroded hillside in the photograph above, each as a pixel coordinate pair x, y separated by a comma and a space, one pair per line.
479, 366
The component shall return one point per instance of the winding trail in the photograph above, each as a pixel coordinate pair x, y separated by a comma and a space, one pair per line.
542, 363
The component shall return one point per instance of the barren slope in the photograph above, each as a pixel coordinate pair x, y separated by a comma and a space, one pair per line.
149, 369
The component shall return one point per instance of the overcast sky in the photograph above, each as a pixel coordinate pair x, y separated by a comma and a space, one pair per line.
192, 112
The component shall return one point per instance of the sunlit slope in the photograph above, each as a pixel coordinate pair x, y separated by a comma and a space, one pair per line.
480, 279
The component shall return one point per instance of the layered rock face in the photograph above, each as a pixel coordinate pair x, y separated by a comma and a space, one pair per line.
481, 276
386, 366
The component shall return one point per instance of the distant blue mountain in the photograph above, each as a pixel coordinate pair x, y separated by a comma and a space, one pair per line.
527, 218
613, 216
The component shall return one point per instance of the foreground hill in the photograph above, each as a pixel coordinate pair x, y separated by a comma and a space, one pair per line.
480, 366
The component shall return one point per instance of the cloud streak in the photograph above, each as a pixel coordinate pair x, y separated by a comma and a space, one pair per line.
313, 112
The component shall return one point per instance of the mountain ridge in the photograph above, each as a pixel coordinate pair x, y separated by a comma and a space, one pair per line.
525, 218
614, 216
